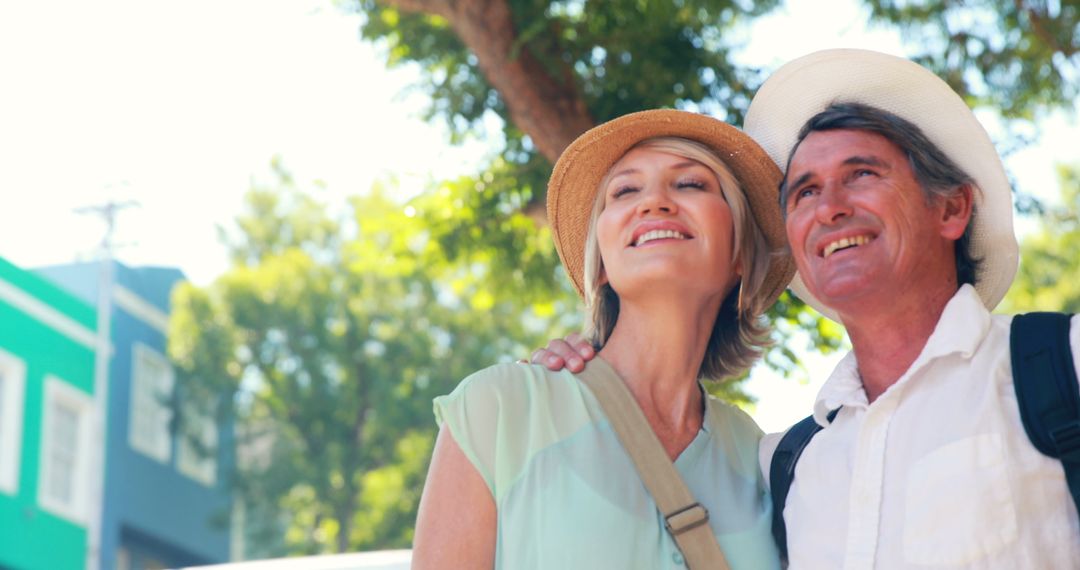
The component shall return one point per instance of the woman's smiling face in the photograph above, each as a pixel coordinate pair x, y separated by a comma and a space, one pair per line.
665, 221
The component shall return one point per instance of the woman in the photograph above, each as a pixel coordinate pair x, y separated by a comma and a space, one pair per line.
673, 250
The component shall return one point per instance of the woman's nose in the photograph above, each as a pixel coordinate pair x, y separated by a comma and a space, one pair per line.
657, 200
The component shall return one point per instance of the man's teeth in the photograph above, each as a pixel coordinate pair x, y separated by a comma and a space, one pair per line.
844, 243
658, 234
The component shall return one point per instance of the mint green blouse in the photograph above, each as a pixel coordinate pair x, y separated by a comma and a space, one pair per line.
568, 495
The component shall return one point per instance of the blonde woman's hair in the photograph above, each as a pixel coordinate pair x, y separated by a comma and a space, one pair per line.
739, 334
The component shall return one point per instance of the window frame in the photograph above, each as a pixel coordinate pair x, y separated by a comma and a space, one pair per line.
188, 460
156, 415
62, 393
12, 403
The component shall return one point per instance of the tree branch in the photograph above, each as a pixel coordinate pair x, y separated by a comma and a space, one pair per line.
1038, 26
545, 105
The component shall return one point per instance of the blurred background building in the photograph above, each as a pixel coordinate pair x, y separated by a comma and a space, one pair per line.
164, 500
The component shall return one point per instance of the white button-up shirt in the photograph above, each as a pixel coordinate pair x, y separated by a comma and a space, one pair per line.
937, 472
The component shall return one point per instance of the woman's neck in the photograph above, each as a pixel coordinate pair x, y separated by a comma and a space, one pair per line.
657, 349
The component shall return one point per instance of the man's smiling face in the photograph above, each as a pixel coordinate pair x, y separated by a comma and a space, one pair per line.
860, 227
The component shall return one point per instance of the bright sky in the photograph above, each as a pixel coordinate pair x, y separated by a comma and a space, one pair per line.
178, 105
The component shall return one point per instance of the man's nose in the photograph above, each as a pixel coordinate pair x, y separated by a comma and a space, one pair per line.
833, 204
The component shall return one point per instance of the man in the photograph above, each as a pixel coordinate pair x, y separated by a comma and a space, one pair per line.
898, 214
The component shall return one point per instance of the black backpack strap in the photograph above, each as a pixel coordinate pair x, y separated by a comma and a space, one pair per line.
1047, 390
782, 472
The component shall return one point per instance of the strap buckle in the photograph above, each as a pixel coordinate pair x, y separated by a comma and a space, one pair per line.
686, 518
1067, 441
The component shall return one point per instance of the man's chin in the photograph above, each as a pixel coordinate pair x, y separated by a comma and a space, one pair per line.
841, 294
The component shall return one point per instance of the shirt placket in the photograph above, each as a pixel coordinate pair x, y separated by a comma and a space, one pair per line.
868, 477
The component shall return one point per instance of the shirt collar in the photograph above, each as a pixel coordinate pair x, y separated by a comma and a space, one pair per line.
707, 414
963, 325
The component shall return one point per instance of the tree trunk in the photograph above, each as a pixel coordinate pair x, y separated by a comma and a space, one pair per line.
546, 107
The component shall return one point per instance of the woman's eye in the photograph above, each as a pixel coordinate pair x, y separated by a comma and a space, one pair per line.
697, 184
621, 190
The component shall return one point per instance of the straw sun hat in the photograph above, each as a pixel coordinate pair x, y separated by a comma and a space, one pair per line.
579, 171
806, 86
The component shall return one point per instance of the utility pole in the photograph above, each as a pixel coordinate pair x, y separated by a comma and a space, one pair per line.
102, 355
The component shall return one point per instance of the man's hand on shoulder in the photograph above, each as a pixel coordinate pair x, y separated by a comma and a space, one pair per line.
571, 353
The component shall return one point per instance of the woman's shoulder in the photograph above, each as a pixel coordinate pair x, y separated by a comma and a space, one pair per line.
510, 378
517, 388
505, 414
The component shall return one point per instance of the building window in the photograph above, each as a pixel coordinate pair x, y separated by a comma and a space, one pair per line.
12, 387
65, 449
151, 390
196, 453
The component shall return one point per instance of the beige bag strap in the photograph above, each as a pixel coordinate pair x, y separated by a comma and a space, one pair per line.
686, 519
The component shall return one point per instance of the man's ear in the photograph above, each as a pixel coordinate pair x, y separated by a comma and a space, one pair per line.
957, 211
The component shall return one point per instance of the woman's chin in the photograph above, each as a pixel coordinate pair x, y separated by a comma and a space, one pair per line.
678, 282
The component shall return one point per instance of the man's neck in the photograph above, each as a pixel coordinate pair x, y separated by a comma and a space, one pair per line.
887, 340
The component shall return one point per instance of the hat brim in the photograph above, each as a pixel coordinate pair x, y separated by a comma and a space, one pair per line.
576, 178
806, 86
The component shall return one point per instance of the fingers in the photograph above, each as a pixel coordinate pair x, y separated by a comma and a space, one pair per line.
548, 359
545, 357
581, 346
571, 354
574, 352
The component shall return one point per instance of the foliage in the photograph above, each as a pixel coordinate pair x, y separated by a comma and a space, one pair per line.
1017, 57
623, 55
331, 337
627, 55
479, 220
1049, 274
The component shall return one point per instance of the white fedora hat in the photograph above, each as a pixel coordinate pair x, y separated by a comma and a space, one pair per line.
806, 86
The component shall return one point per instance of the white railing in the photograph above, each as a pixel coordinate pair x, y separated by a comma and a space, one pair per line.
379, 560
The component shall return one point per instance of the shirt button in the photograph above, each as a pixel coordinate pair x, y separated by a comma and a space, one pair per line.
677, 558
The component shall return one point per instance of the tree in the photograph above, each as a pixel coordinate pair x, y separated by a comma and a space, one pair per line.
330, 338
1049, 274
551, 70
1019, 57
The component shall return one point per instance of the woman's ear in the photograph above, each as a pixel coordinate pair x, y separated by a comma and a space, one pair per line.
737, 273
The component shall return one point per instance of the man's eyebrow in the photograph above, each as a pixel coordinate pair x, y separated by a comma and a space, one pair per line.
866, 160
850, 161
801, 180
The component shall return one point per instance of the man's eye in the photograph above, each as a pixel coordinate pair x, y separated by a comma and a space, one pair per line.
803, 193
